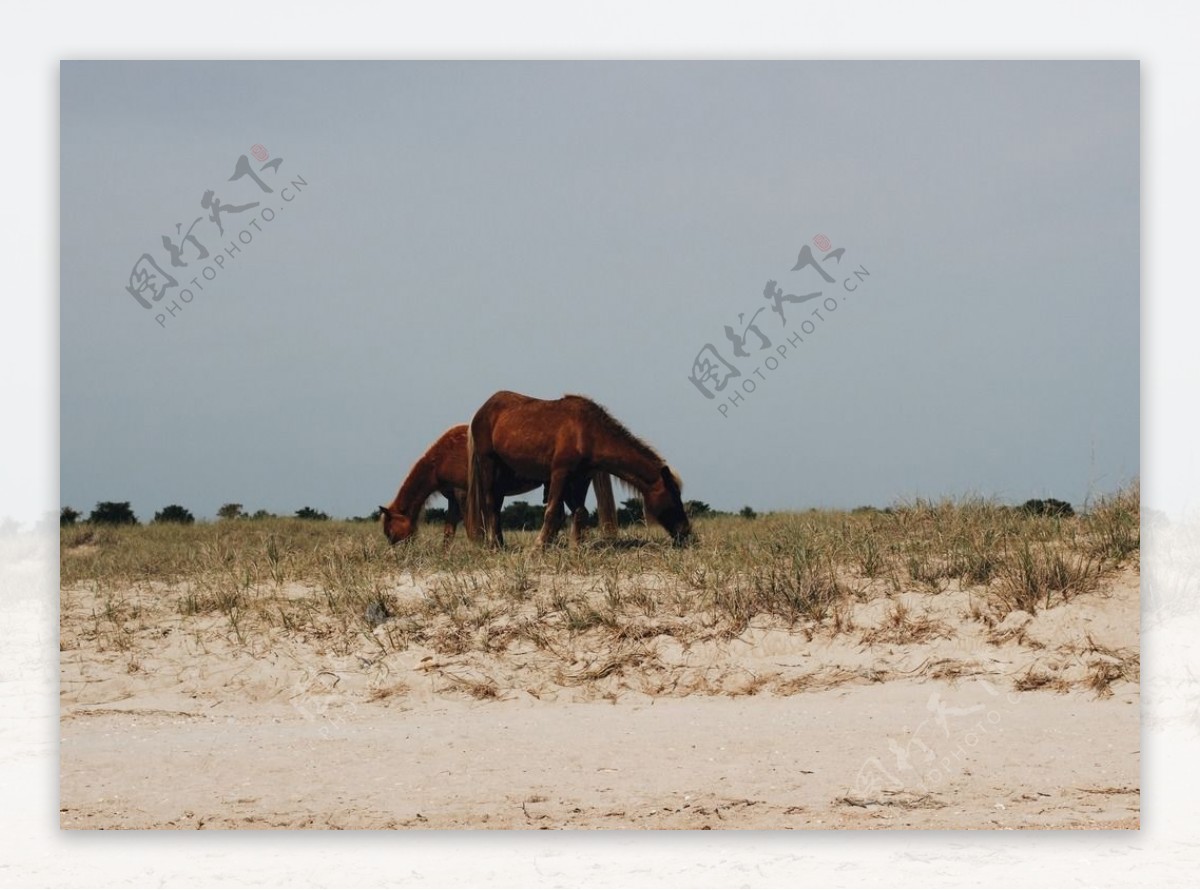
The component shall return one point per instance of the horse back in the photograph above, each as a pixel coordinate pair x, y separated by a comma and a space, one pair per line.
449, 455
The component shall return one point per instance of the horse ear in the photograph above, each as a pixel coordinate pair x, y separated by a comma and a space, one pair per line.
382, 510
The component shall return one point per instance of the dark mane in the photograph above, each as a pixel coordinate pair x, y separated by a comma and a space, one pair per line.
602, 417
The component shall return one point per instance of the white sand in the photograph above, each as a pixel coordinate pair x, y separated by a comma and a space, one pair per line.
769, 730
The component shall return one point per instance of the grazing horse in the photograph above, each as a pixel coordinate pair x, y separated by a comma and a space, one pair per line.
442, 469
560, 442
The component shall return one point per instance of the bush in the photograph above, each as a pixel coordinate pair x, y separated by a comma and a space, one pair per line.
1048, 507
175, 513
630, 512
113, 513
67, 517
697, 509
748, 513
231, 511
310, 513
522, 516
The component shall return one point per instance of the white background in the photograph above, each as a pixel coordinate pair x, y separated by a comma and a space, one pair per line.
1162, 35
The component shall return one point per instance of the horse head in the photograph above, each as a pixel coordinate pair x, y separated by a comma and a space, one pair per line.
396, 526
663, 502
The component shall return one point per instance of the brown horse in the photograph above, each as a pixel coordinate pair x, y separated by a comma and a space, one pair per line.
561, 442
442, 469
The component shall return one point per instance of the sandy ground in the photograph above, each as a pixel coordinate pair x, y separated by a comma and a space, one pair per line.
777, 728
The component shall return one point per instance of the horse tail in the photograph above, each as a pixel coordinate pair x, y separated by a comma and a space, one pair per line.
473, 518
606, 505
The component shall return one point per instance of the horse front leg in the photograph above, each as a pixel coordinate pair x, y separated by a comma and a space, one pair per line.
578, 520
576, 498
554, 507
456, 508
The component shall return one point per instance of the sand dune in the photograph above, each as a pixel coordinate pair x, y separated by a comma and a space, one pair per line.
912, 713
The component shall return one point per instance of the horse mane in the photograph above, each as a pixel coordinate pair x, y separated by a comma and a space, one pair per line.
604, 418
415, 478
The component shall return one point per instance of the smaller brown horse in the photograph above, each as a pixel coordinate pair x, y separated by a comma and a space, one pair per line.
442, 469
560, 442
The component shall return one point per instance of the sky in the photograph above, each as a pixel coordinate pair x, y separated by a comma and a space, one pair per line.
435, 232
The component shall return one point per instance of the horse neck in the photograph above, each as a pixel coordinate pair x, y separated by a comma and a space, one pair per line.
416, 489
628, 460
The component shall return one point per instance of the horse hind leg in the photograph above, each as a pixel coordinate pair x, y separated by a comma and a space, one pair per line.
483, 500
497, 525
491, 503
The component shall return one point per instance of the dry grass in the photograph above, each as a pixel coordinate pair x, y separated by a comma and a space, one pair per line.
1037, 678
900, 626
601, 611
1106, 666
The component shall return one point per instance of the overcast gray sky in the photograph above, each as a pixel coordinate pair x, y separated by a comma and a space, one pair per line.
458, 228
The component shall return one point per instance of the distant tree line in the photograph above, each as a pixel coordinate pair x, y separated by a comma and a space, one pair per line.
1032, 507
524, 516
121, 513
516, 515
700, 510
105, 513
235, 511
